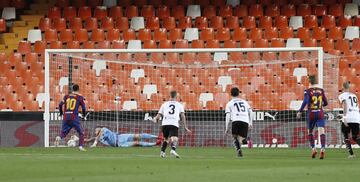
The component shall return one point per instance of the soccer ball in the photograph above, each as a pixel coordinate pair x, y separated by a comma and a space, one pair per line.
71, 143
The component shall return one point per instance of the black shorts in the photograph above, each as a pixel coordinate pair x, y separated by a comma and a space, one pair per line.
240, 128
353, 128
170, 130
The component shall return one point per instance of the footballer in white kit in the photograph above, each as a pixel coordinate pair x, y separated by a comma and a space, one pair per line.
351, 118
239, 112
171, 112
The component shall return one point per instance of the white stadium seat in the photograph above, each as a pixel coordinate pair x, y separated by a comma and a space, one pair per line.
220, 56
9, 13
136, 74
293, 42
63, 82
40, 98
299, 73
137, 23
295, 104
193, 11
129, 105
351, 9
98, 66
224, 81
34, 35
134, 44
352, 32
149, 90
233, 3
109, 3
296, 22
205, 97
191, 34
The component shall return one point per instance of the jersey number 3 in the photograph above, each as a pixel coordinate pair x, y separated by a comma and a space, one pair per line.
70, 104
172, 107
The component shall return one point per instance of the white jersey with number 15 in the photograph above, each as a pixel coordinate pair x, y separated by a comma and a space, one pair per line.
170, 112
352, 105
239, 110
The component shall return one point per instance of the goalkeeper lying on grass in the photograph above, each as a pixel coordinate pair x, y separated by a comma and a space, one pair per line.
109, 138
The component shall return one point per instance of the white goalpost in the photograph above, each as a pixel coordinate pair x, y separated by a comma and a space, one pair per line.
124, 88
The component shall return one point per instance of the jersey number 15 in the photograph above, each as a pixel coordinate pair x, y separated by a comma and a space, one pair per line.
239, 106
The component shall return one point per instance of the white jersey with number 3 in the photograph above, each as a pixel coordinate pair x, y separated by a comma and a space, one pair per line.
170, 112
239, 110
352, 105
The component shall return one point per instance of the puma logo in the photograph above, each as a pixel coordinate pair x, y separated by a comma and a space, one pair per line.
271, 116
147, 117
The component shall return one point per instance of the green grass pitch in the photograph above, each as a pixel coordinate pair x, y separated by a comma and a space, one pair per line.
196, 164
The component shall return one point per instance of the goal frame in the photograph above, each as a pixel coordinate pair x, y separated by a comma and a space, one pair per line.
46, 116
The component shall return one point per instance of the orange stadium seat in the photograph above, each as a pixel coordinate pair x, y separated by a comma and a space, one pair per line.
51, 35
344, 21
84, 12
129, 34
169, 23
69, 12
149, 44
328, 21
311, 21
160, 34
165, 44
2, 25
286, 33
357, 21
232, 22
319, 10
260, 43
44, 24
209, 12
116, 12
272, 10
217, 22
310, 42
118, 44
131, 11
147, 11
288, 10
222, 34
66, 35
103, 44
81, 35
239, 34
230, 44
212, 44
335, 33
178, 12
327, 44
271, 32
356, 45
153, 23
281, 22
59, 24
175, 34
197, 44
207, 34
343, 45
40, 46
144, 34
201, 22
140, 3
91, 23
75, 23
256, 10
73, 45
319, 33
249, 22
217, 3
265, 22
303, 33
122, 23
56, 45
54, 12
336, 10
226, 11
246, 43
255, 33
31, 58
107, 23
88, 45
185, 22
181, 43
163, 12
277, 42
304, 10
24, 47
241, 11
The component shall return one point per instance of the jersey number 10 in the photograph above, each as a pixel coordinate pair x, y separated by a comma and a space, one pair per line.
70, 104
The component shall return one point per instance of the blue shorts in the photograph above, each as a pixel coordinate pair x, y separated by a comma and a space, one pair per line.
124, 139
315, 119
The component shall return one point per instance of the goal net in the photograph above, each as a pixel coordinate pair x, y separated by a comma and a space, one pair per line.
124, 89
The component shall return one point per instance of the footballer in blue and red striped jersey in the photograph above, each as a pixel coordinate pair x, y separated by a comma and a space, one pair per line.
315, 100
69, 108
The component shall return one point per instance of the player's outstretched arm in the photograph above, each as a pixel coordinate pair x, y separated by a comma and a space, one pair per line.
96, 140
183, 118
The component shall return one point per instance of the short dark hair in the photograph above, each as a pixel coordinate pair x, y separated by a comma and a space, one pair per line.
235, 91
75, 87
346, 85
173, 94
312, 79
